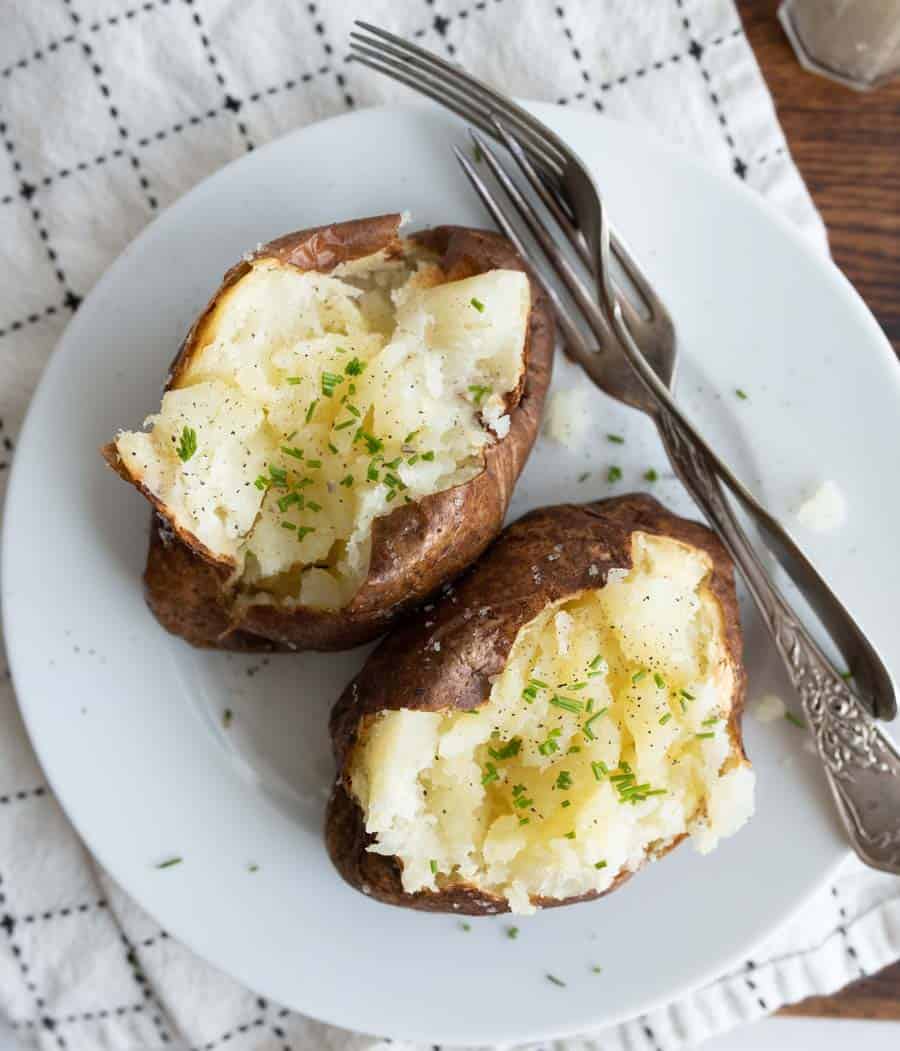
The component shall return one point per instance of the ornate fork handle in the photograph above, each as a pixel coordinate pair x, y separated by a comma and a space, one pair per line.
861, 762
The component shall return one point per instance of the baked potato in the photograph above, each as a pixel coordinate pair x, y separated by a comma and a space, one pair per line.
568, 711
340, 433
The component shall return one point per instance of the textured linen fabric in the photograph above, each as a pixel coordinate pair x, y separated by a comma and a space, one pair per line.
109, 110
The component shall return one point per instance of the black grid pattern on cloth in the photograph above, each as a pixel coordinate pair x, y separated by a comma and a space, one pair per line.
138, 144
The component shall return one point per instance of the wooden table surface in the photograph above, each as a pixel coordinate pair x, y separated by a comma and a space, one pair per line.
847, 146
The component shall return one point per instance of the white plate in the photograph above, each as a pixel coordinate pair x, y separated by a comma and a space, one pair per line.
127, 720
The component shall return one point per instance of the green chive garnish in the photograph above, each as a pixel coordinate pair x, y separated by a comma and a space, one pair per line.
555, 980
188, 444
479, 306
169, 862
586, 729
429, 456
614, 474
330, 380
794, 721
284, 502
566, 703
510, 749
599, 769
599, 864
279, 474
740, 393
227, 716
293, 380
346, 481
303, 531
570, 835
490, 774
292, 451
704, 736
665, 719
563, 781
311, 409
659, 680
616, 439
478, 392
343, 426
650, 475
638, 675
512, 932
687, 696
354, 367
434, 866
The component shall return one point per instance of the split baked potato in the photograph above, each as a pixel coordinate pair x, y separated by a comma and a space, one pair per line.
340, 433
569, 710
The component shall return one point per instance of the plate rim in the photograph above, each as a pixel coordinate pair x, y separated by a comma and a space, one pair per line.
71, 335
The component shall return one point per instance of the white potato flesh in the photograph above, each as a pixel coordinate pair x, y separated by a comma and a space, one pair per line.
604, 739
317, 403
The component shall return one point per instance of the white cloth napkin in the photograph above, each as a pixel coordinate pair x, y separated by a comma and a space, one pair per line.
109, 109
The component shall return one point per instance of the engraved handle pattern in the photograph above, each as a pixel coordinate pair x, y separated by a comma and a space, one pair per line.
861, 763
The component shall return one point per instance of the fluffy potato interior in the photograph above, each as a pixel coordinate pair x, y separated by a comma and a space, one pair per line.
315, 403
603, 740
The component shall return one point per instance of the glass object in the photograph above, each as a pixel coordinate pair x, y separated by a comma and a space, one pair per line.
856, 42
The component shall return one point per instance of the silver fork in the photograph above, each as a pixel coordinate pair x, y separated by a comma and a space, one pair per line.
567, 191
862, 765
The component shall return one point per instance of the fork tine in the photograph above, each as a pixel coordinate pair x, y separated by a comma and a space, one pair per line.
533, 130
580, 291
537, 184
569, 228
571, 334
442, 94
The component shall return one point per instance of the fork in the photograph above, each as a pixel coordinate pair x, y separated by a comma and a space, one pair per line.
861, 763
566, 189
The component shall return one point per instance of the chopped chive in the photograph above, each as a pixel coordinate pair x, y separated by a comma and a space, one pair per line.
169, 862
586, 729
288, 525
372, 472
279, 474
529, 694
353, 409
566, 703
188, 444
573, 749
650, 475
512, 933
540, 685
354, 367
394, 482
794, 721
313, 506
576, 686
311, 409
599, 864
616, 439
624, 766
599, 769
596, 970
597, 662
566, 803
392, 495
394, 464
293, 380
583, 477
510, 749
465, 926
490, 774
638, 675
429, 456
313, 463
847, 675
687, 696
227, 717
704, 736
711, 721
292, 451
614, 474
563, 781
346, 481
522, 802
373, 444
659, 680
413, 459
253, 868
665, 719
343, 426
740, 393
284, 502
479, 306
330, 380
570, 835
410, 436
524, 820
303, 531
433, 865
261, 482
478, 392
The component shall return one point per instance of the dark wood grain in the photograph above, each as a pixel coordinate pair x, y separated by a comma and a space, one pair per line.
847, 146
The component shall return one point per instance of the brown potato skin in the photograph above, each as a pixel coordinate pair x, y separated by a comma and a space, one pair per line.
542, 558
415, 548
